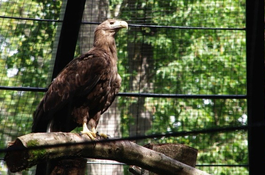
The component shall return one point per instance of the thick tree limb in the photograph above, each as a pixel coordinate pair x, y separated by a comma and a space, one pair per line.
179, 152
23, 156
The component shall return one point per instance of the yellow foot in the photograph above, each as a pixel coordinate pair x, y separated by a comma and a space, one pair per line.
91, 134
105, 136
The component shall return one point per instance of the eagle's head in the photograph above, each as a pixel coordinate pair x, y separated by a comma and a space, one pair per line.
105, 32
112, 24
110, 27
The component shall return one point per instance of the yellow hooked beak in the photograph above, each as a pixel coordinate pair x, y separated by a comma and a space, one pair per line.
120, 24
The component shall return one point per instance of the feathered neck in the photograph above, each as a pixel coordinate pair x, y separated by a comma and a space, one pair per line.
106, 40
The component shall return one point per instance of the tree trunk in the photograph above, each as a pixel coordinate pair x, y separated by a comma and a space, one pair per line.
141, 67
95, 11
73, 166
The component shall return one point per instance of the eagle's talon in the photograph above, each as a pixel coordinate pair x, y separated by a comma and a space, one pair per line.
105, 136
91, 134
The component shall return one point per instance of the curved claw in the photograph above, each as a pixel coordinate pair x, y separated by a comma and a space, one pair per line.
105, 136
93, 134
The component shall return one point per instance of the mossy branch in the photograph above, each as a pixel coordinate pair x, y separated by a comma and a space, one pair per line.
58, 145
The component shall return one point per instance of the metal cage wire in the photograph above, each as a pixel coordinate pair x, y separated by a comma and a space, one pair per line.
183, 64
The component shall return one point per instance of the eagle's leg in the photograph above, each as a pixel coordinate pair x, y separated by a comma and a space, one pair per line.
94, 132
93, 122
91, 134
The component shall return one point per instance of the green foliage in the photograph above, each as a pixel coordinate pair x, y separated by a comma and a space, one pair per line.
25, 56
31, 53
182, 61
191, 61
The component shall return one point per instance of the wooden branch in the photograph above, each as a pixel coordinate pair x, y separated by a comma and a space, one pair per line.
20, 156
179, 152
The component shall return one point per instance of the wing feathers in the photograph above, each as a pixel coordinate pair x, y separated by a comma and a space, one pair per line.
78, 78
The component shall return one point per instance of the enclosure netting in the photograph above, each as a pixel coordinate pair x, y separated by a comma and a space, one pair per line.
183, 69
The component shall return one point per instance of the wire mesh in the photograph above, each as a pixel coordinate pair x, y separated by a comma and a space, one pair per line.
152, 59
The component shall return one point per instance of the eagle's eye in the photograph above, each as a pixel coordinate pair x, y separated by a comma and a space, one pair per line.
111, 22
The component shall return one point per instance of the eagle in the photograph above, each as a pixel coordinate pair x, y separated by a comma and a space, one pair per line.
84, 89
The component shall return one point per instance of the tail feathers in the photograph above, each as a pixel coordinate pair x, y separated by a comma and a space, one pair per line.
40, 120
40, 124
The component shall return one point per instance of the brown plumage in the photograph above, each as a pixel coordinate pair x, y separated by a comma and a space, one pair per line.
85, 88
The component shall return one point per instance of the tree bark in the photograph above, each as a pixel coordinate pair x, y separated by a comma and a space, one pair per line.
179, 152
21, 153
140, 66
